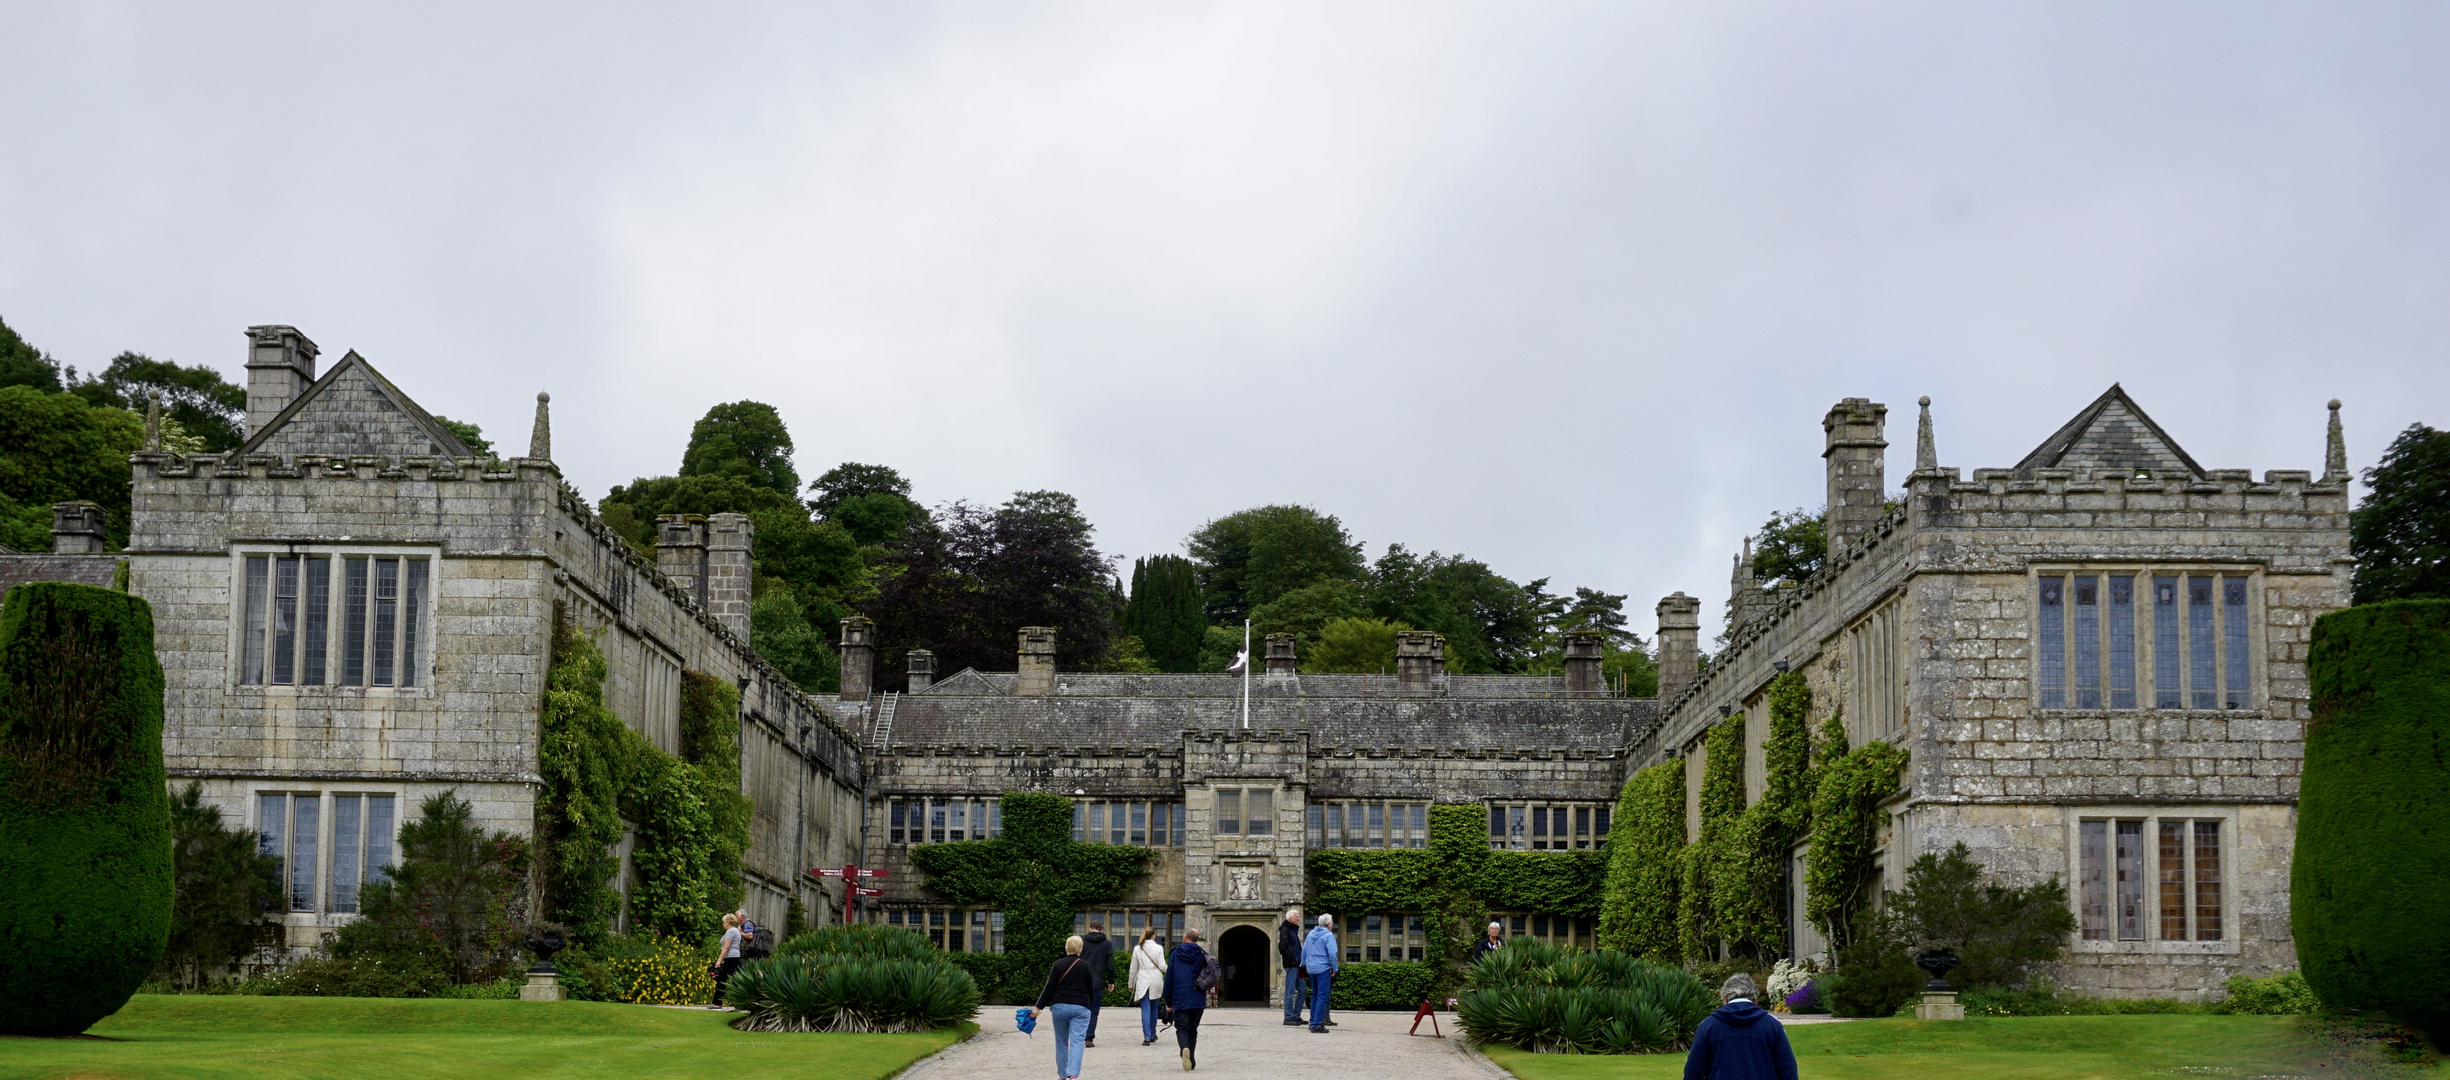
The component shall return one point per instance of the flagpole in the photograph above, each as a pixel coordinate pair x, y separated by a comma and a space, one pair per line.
1246, 674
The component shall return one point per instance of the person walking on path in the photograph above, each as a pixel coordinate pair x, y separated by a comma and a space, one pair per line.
1741, 1041
1289, 951
1322, 958
1188, 998
728, 957
1495, 941
1097, 951
1148, 982
1070, 987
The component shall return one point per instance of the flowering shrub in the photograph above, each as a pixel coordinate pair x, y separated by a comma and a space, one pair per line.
1805, 999
1787, 977
660, 971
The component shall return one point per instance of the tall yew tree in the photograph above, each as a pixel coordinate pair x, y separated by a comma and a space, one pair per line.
1165, 611
2400, 534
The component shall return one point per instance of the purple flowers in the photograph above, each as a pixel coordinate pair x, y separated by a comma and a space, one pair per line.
1805, 999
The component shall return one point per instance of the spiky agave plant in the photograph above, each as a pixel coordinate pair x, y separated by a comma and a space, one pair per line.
1547, 1000
834, 992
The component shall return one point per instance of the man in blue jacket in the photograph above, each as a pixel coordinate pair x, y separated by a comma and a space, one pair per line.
1741, 1041
1322, 959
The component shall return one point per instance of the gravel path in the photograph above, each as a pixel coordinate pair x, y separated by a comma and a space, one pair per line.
1234, 1044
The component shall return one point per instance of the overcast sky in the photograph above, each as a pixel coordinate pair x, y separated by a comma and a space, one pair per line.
1565, 287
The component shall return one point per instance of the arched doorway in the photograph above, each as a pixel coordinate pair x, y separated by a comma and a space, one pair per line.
1244, 953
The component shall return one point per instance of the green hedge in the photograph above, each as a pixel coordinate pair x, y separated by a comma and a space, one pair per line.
1384, 986
2373, 814
85, 852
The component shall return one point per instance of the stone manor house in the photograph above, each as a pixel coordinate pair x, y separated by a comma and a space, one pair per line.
2095, 657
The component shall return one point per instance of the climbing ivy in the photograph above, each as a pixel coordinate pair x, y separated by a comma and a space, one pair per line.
1698, 928
1037, 875
1638, 907
691, 821
1456, 881
1748, 865
1846, 822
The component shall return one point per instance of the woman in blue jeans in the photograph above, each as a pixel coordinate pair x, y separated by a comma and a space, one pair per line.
1148, 981
1070, 989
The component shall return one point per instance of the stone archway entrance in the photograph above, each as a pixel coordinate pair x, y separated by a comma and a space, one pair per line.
1245, 953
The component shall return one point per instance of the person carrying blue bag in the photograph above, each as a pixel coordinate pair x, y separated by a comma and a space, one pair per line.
1071, 988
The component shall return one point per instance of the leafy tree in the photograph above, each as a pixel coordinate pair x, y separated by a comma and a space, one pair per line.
208, 406
852, 480
2400, 533
22, 364
56, 448
452, 892
877, 519
780, 631
1604, 612
1220, 644
964, 583
1249, 558
1303, 612
1165, 611
85, 855
1631, 671
1492, 623
470, 436
1359, 646
1791, 547
222, 888
1128, 656
743, 440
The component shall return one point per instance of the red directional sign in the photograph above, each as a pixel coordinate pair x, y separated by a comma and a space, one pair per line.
826, 871
876, 873
865, 891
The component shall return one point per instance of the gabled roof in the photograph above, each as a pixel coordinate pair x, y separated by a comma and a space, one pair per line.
969, 681
2111, 433
354, 410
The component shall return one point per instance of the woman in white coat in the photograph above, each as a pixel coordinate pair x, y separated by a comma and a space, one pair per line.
1148, 982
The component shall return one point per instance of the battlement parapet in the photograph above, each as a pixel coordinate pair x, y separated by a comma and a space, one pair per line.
160, 465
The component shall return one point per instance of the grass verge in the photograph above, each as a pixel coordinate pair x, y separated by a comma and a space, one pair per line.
197, 1037
2031, 1048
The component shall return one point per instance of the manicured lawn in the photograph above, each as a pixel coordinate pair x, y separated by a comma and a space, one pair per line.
269, 1037
2026, 1048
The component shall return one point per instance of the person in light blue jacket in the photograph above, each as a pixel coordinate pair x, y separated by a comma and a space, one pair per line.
1322, 958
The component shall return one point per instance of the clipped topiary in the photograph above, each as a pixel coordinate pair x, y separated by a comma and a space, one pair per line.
85, 854
2373, 814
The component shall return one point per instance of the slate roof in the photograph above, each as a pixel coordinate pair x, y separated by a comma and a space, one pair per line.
1338, 711
2112, 433
353, 410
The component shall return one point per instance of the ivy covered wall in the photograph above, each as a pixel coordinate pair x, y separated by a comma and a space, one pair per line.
1722, 897
690, 819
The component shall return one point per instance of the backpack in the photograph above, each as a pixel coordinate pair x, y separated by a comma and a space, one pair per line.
757, 944
1208, 975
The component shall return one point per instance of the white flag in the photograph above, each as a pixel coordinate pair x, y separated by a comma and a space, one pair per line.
1241, 660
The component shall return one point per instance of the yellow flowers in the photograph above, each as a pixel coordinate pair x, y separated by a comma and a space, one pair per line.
672, 974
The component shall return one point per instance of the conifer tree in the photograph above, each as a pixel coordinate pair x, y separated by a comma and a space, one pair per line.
1166, 611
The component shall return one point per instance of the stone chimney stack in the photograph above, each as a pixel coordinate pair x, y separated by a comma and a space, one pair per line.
280, 366
1037, 661
1416, 660
922, 670
1437, 656
1679, 644
858, 658
729, 540
1857, 439
76, 528
1280, 656
1582, 654
680, 552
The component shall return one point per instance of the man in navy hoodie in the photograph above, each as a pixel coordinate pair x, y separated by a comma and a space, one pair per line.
1741, 1041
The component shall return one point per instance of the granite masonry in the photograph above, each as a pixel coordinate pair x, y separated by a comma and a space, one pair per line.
355, 612
2095, 658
